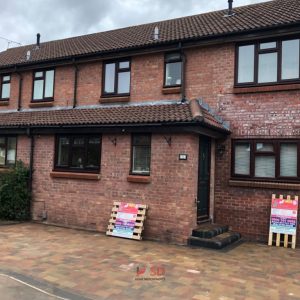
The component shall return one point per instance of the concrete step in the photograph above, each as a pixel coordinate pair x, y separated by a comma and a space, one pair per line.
217, 242
208, 231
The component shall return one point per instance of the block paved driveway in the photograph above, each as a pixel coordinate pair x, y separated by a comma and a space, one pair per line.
74, 264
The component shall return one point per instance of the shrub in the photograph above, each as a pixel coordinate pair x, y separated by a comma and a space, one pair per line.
14, 193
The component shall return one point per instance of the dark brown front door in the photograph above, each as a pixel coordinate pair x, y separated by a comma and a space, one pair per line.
203, 179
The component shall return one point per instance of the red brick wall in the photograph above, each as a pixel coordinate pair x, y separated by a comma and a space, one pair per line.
23, 149
14, 94
86, 203
147, 73
89, 83
252, 115
210, 74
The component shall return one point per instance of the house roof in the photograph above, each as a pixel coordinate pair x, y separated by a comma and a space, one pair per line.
163, 113
247, 18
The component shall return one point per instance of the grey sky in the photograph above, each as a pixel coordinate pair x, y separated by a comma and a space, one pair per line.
57, 19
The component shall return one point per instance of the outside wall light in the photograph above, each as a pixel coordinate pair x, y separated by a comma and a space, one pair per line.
221, 149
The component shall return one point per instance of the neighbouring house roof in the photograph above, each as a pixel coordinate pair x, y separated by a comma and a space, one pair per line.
249, 18
165, 113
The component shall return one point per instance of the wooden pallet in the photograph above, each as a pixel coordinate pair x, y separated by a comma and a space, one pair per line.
279, 239
139, 223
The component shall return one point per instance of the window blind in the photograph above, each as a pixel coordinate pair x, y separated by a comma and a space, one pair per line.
242, 159
288, 160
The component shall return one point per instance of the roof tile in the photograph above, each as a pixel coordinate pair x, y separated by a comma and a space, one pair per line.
246, 18
112, 115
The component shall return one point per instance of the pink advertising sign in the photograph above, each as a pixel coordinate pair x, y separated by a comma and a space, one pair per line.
125, 220
284, 216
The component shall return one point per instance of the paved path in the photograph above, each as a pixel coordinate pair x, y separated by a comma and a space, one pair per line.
11, 289
100, 267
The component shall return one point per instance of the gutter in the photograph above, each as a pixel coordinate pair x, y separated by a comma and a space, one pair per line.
183, 59
32, 144
20, 88
76, 70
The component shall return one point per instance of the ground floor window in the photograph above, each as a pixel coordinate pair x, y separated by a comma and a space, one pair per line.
140, 154
78, 153
266, 159
8, 149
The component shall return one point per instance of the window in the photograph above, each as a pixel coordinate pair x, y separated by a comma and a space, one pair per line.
173, 66
268, 62
116, 78
5, 87
8, 149
78, 153
266, 159
43, 85
141, 154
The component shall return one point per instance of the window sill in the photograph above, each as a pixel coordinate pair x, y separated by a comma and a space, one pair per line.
138, 179
264, 184
114, 99
171, 90
269, 88
71, 175
5, 169
41, 104
4, 102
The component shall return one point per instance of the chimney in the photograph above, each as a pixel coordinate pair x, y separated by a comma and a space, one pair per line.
230, 11
38, 37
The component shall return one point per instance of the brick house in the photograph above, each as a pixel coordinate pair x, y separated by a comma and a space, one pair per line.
198, 117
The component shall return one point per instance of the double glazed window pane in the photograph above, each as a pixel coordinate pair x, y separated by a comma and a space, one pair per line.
173, 73
43, 85
265, 166
141, 154
117, 78
269, 45
267, 67
78, 152
124, 65
38, 90
264, 147
11, 150
5, 93
141, 160
124, 83
288, 160
259, 63
8, 148
93, 153
110, 71
63, 152
246, 64
242, 159
49, 84
2, 154
290, 59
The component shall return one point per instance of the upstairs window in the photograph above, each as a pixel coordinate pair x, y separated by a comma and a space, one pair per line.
116, 78
140, 154
173, 70
78, 153
8, 150
43, 85
269, 62
5, 87
274, 160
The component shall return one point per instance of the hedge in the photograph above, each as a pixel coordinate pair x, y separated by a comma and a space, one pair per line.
15, 196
